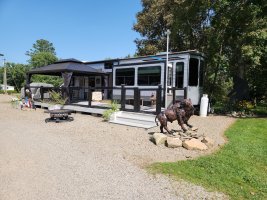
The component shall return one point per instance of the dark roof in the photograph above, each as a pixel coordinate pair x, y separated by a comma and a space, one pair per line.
78, 68
69, 60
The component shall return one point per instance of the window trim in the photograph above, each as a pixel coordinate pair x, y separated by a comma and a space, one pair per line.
146, 67
125, 76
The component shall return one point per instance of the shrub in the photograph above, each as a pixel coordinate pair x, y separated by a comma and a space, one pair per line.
113, 108
56, 98
8, 92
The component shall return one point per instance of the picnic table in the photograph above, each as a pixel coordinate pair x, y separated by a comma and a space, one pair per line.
59, 115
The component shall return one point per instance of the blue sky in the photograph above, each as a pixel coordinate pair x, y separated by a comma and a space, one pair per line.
82, 29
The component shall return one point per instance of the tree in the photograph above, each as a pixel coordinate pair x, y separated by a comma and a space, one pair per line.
15, 74
232, 34
41, 46
42, 59
42, 54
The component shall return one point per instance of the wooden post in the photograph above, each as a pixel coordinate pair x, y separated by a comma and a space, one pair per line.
123, 97
173, 95
70, 94
158, 101
42, 92
136, 99
185, 92
89, 96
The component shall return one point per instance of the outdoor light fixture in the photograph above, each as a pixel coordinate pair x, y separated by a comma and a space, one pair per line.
168, 32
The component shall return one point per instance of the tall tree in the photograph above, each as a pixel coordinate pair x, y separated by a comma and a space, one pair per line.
232, 34
41, 46
15, 75
43, 53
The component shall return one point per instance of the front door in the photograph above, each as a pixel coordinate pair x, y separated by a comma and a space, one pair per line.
179, 75
193, 91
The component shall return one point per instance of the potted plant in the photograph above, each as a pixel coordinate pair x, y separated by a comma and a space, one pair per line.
57, 100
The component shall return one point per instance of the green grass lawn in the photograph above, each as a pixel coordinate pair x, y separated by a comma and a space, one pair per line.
239, 169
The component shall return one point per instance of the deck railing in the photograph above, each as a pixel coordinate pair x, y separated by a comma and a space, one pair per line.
73, 94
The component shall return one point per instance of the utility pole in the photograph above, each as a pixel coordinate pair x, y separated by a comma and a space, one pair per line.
5, 79
168, 32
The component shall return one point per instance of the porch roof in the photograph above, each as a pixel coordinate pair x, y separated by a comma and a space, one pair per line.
70, 65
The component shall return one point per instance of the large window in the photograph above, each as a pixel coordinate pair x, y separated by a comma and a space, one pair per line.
125, 76
179, 75
193, 72
149, 75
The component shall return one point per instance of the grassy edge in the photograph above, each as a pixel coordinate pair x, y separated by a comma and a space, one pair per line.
167, 168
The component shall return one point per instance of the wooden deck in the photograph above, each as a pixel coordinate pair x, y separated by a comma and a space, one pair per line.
97, 107
76, 108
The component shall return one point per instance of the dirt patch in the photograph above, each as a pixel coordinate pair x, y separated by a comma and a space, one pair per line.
89, 158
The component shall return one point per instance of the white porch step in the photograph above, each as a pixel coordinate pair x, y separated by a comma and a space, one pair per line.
133, 119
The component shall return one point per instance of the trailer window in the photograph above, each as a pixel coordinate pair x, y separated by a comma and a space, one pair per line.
179, 75
149, 75
193, 72
125, 76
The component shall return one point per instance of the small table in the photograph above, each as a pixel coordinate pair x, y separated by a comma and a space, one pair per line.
59, 115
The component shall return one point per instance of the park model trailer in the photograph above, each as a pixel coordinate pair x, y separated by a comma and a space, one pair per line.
184, 72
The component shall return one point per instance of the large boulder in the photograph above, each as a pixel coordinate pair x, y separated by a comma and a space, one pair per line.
159, 138
194, 144
174, 142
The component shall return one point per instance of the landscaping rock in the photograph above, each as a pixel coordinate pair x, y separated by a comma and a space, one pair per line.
194, 128
159, 138
208, 141
175, 133
173, 142
194, 144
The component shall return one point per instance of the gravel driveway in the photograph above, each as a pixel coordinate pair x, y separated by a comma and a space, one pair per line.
90, 159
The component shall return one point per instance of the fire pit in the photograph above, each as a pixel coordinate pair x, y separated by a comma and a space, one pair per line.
59, 115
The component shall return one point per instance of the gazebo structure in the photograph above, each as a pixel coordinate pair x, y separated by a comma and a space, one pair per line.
73, 66
67, 69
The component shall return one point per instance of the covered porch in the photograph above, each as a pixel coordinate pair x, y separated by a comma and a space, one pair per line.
77, 79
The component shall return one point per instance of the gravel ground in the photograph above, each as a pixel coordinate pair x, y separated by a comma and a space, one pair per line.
91, 159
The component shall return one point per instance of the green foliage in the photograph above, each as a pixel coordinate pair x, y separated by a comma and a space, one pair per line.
8, 92
54, 80
232, 35
42, 54
57, 98
114, 106
260, 109
41, 46
15, 75
42, 59
238, 169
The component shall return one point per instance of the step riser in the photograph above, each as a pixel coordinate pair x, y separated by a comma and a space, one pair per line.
138, 117
135, 121
132, 124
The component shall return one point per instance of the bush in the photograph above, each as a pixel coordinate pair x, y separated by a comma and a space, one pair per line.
8, 92
113, 108
57, 98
